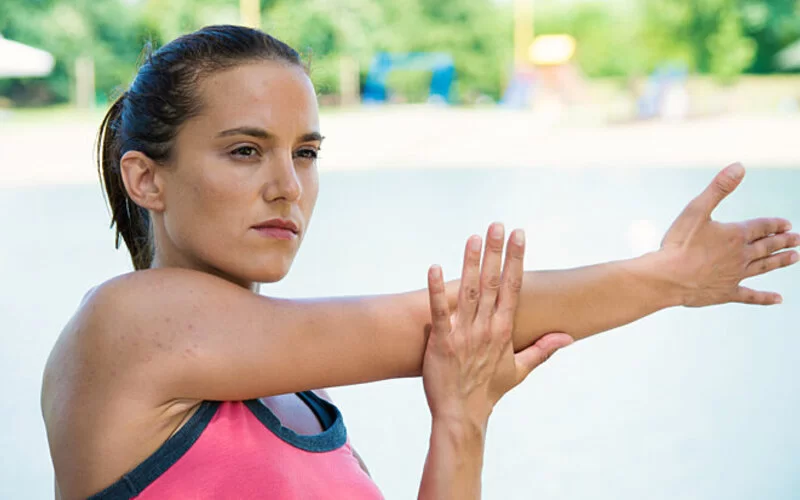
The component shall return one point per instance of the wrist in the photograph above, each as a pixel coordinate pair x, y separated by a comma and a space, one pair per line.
465, 431
658, 271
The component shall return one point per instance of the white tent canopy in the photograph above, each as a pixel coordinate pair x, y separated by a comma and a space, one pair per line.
20, 60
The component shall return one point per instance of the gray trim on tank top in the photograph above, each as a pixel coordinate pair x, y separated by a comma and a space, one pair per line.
333, 435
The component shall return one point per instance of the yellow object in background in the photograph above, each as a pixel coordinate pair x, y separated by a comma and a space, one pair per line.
549, 50
250, 13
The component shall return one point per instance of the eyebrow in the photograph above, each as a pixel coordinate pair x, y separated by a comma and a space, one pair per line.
260, 133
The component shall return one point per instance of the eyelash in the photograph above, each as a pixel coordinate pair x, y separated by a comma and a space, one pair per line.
313, 154
305, 153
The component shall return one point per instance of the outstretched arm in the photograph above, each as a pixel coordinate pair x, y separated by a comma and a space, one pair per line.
197, 336
701, 262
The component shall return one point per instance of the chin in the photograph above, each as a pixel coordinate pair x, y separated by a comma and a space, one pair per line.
267, 273
268, 277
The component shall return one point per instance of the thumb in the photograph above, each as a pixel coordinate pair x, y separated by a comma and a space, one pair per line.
724, 183
538, 353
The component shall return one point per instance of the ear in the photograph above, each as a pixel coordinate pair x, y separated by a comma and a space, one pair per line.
140, 176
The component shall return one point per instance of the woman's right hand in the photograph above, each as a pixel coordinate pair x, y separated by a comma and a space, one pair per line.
469, 361
470, 364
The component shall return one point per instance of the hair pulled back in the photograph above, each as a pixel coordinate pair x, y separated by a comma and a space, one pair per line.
146, 117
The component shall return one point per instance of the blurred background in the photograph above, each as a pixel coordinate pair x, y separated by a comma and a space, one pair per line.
588, 123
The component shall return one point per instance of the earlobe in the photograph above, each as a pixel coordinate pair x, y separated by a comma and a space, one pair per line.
140, 176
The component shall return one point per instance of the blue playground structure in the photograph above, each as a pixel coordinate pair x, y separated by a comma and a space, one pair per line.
661, 80
439, 64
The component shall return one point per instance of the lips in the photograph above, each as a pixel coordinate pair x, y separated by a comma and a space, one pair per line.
282, 229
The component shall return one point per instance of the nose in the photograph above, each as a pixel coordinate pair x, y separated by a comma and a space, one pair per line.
282, 181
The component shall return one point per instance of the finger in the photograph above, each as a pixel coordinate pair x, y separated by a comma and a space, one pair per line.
490, 272
699, 209
528, 359
440, 310
746, 295
724, 183
767, 264
469, 289
761, 228
513, 272
771, 244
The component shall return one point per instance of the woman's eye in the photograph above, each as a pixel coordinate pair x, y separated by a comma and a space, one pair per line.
310, 154
245, 152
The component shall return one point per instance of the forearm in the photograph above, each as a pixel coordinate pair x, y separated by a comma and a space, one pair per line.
454, 463
581, 302
593, 299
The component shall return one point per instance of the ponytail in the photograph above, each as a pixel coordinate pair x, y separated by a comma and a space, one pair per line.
132, 221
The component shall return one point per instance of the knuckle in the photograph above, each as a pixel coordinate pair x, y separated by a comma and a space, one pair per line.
739, 235
502, 326
471, 294
450, 347
493, 282
515, 284
724, 183
441, 313
773, 244
764, 265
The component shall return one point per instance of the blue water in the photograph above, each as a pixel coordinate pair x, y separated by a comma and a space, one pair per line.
689, 404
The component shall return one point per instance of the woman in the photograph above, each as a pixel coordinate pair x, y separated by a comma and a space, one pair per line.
177, 380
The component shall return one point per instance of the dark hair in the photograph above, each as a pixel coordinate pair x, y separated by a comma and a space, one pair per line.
161, 98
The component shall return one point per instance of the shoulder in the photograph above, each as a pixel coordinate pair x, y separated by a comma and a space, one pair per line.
134, 299
114, 317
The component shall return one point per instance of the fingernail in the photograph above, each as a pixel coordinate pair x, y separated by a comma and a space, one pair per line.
475, 244
779, 300
519, 237
794, 258
736, 170
496, 232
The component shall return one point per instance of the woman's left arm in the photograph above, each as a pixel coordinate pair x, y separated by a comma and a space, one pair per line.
701, 262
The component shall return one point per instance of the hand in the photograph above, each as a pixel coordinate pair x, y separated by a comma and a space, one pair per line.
712, 258
469, 361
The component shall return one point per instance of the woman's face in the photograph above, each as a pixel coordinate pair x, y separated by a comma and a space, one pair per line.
241, 169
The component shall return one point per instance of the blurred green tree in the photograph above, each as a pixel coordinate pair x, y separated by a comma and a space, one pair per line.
721, 37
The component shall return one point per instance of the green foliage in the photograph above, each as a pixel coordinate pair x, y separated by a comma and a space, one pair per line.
719, 37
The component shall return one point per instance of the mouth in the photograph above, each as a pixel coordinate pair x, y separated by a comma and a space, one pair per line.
281, 229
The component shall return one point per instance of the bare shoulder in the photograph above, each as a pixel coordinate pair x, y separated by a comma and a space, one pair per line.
122, 314
89, 390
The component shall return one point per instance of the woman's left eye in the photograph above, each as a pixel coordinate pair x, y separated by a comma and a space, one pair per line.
308, 153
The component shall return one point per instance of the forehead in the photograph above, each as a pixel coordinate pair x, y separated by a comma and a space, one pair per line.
273, 95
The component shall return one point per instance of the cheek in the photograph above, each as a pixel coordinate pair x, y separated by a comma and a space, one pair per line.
208, 203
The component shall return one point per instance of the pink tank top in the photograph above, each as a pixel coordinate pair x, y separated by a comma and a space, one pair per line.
239, 450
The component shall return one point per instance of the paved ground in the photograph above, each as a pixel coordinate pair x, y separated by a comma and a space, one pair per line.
59, 151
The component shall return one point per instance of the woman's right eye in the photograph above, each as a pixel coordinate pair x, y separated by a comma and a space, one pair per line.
245, 152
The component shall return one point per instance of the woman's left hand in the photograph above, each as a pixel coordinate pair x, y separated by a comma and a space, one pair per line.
711, 258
